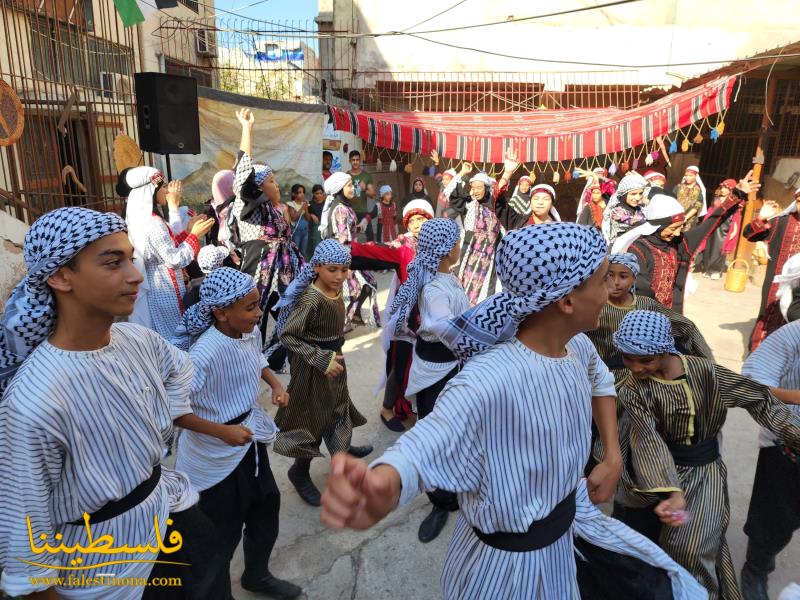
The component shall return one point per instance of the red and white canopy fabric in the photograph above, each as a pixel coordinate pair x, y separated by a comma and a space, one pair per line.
539, 135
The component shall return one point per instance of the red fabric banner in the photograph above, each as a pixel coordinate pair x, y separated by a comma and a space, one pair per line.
540, 135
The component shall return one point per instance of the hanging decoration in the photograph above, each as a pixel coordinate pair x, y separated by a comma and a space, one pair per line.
538, 135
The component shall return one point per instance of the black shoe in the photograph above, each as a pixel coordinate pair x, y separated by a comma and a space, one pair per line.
754, 585
393, 424
359, 451
272, 587
432, 525
301, 480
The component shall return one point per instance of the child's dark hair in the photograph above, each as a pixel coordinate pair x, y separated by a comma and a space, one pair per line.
297, 187
317, 188
326, 153
354, 153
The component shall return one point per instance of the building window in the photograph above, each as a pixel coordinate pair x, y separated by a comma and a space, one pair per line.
192, 4
203, 75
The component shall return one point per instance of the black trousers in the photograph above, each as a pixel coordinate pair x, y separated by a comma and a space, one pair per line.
202, 579
243, 499
774, 512
643, 520
278, 358
426, 400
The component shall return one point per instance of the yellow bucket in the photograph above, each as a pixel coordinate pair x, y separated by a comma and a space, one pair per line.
735, 279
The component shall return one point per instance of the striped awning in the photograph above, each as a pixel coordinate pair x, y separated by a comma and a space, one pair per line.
539, 135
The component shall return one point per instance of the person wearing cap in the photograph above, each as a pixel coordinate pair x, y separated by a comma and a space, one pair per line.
624, 210
418, 192
397, 413
596, 177
385, 212
781, 232
262, 227
664, 252
483, 229
711, 256
529, 205
677, 405
87, 413
447, 184
691, 193
509, 434
656, 180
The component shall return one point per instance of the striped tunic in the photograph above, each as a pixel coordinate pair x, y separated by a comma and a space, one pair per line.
440, 300
687, 411
226, 384
81, 429
776, 363
688, 338
165, 257
320, 407
510, 435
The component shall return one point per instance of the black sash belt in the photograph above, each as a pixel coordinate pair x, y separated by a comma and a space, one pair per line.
540, 534
134, 497
239, 419
435, 352
695, 455
334, 345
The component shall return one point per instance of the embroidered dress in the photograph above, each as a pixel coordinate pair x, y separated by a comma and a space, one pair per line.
165, 257
691, 198
782, 236
107, 413
667, 417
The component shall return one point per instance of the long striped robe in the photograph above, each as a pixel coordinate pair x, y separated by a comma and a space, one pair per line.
320, 408
79, 430
687, 411
510, 436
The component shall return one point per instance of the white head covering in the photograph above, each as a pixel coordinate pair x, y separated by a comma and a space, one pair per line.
211, 257
332, 186
543, 187
484, 179
792, 208
788, 281
696, 170
418, 205
661, 209
385, 189
143, 182
631, 181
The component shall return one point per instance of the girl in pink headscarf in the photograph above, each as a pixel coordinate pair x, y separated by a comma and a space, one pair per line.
222, 196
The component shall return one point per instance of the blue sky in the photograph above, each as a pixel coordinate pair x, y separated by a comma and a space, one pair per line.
279, 10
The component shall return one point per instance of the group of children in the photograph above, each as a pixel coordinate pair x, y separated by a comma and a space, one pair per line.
578, 382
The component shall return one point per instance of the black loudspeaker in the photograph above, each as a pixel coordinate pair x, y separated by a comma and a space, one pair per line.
166, 107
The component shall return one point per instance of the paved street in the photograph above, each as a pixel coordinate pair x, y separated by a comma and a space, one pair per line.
388, 563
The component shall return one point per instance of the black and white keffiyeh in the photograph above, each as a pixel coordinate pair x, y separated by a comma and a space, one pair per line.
537, 265
436, 239
645, 333
51, 242
626, 259
211, 257
327, 252
222, 287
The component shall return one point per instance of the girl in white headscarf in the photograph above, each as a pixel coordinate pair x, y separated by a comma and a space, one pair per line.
160, 252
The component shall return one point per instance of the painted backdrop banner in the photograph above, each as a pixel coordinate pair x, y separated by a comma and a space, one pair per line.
286, 135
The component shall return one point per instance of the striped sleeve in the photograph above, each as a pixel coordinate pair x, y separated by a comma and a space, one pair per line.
28, 459
244, 166
600, 377
441, 451
292, 337
177, 372
774, 357
755, 398
652, 461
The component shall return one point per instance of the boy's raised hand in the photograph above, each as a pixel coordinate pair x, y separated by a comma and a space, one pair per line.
356, 496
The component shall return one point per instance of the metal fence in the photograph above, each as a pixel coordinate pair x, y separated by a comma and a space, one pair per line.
73, 70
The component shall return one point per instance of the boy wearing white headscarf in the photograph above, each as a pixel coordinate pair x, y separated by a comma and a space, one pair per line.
691, 193
510, 433
85, 421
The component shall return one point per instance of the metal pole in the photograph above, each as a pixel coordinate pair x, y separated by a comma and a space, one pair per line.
169, 167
